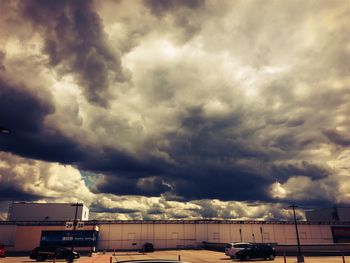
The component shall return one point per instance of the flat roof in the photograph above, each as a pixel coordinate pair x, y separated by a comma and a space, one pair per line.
97, 222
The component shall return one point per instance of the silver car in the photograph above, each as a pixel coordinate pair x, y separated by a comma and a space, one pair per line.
232, 248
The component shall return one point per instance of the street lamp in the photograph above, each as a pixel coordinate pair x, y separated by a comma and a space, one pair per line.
4, 130
75, 222
300, 257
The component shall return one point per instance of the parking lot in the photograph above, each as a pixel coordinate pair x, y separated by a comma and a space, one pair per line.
191, 256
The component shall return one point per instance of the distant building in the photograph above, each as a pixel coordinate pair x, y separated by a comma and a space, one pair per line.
119, 235
23, 211
335, 214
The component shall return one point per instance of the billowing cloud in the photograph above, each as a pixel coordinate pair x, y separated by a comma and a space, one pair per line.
23, 179
75, 43
177, 109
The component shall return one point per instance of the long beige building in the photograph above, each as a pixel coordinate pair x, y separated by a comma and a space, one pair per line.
129, 235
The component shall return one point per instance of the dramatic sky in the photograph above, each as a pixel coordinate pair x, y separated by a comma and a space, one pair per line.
176, 109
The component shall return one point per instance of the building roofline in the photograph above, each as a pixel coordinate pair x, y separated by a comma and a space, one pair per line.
98, 222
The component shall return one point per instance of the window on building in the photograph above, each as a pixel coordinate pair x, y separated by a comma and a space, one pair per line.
266, 236
216, 236
303, 235
132, 236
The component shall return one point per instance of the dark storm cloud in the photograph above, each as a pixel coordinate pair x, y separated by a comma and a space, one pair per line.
302, 168
228, 167
211, 159
161, 7
295, 122
224, 157
184, 12
218, 176
2, 57
150, 186
95, 207
207, 209
319, 202
220, 181
342, 139
112, 160
155, 210
15, 193
23, 113
226, 101
20, 110
76, 44
206, 156
211, 137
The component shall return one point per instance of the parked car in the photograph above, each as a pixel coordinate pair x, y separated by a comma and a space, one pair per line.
2, 251
232, 248
263, 251
147, 247
51, 252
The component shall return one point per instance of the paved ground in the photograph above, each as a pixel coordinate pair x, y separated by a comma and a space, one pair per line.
191, 256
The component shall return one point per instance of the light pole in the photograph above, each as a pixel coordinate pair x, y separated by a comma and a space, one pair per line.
300, 257
4, 130
75, 221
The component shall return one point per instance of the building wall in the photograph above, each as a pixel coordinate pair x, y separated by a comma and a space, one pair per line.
122, 236
167, 234
324, 214
344, 214
26, 237
339, 214
46, 212
8, 235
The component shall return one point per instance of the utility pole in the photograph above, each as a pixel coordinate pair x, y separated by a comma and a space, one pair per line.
75, 222
300, 257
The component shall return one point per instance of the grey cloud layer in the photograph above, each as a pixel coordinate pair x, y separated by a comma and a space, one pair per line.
190, 99
75, 43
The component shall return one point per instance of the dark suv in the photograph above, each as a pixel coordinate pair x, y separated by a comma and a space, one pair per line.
256, 251
51, 252
147, 247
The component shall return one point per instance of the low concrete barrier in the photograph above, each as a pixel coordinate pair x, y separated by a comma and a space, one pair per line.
290, 250
314, 250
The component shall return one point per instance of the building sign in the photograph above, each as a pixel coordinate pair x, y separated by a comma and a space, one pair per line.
70, 224
68, 238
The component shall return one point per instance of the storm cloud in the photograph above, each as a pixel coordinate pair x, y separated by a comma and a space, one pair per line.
75, 42
176, 109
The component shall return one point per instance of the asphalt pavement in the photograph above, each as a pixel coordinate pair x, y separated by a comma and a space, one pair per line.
190, 256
